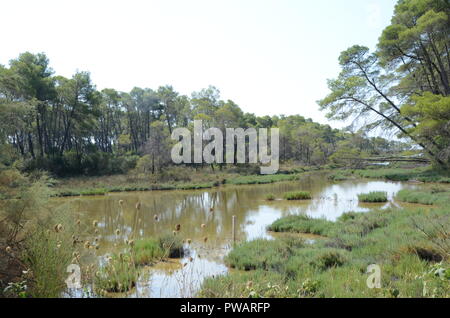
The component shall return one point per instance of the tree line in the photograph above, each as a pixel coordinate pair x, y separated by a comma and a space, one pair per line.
67, 126
404, 86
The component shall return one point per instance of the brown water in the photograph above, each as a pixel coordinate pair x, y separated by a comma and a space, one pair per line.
214, 208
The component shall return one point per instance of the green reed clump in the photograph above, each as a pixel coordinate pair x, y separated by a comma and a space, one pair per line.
172, 245
373, 197
147, 251
298, 195
47, 255
301, 224
261, 254
98, 191
119, 275
270, 197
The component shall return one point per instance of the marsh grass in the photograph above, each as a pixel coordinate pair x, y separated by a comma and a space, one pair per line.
410, 246
270, 197
373, 197
147, 251
298, 195
151, 250
423, 174
301, 224
433, 196
119, 275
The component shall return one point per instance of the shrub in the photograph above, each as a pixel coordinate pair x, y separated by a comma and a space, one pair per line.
329, 258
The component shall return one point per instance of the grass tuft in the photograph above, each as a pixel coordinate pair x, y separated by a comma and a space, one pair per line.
373, 197
298, 195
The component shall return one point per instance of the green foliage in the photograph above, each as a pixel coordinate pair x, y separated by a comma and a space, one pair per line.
119, 275
147, 251
270, 197
413, 264
298, 195
172, 246
430, 197
301, 224
373, 197
261, 254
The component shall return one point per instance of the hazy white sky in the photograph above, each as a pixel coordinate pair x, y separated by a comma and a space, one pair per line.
269, 56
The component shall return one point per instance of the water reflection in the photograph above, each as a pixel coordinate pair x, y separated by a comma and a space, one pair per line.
162, 210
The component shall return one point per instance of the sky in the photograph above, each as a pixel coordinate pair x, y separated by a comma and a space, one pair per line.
270, 57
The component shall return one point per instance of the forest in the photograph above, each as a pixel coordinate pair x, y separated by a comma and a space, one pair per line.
69, 128
63, 137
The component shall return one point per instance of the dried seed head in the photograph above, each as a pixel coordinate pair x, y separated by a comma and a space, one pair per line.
131, 243
249, 284
58, 228
95, 223
174, 232
78, 222
138, 206
191, 259
156, 217
87, 244
117, 232
96, 231
203, 226
121, 202
189, 241
205, 239
8, 249
178, 227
